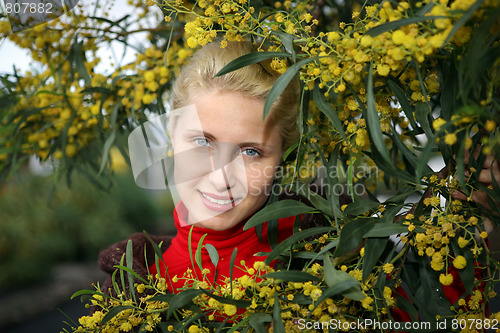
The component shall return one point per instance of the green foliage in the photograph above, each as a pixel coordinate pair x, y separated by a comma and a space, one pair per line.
40, 227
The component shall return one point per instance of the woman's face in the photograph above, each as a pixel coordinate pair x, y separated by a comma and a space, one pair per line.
225, 158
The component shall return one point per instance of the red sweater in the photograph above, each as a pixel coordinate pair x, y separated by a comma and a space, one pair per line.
178, 260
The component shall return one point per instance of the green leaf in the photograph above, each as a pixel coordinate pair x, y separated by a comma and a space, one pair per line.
360, 207
431, 292
334, 277
424, 159
344, 288
294, 239
182, 299
350, 179
231, 267
258, 321
329, 111
249, 59
465, 17
380, 29
373, 121
239, 303
277, 210
319, 203
282, 82
291, 276
77, 56
352, 234
277, 320
161, 298
467, 274
422, 112
407, 153
105, 151
197, 255
403, 100
212, 252
122, 275
190, 237
130, 271
130, 264
374, 248
114, 311
86, 292
387, 229
287, 41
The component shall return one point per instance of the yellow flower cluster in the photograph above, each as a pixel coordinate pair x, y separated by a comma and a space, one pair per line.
70, 104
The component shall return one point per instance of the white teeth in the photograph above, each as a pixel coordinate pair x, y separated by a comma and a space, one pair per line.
220, 202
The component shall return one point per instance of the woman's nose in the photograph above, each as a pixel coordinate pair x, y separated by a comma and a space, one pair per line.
221, 179
228, 169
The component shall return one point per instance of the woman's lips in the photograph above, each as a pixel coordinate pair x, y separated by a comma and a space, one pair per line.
218, 203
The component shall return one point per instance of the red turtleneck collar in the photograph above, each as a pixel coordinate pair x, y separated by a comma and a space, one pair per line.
178, 260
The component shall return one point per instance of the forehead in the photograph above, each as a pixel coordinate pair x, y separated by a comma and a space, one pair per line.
229, 117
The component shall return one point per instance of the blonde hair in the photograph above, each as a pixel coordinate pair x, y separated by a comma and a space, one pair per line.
252, 81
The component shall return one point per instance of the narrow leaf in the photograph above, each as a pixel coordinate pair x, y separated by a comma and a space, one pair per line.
352, 234
105, 151
291, 276
328, 110
258, 321
212, 252
373, 250
113, 312
278, 326
403, 100
197, 255
277, 210
334, 277
373, 122
249, 59
282, 82
130, 264
294, 239
360, 207
387, 229
182, 299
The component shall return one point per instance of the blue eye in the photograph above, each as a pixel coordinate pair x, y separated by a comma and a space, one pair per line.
251, 152
203, 142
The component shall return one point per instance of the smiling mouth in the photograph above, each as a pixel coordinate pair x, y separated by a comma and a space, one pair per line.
217, 201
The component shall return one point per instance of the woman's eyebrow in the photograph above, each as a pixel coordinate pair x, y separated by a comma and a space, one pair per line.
241, 144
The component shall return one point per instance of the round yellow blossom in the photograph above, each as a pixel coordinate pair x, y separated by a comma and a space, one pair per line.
366, 303
383, 70
149, 76
194, 329
490, 125
71, 150
450, 139
446, 279
462, 242
388, 268
230, 309
147, 99
459, 262
398, 37
437, 123
140, 288
483, 234
333, 36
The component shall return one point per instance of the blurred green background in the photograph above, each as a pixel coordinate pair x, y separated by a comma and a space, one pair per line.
45, 225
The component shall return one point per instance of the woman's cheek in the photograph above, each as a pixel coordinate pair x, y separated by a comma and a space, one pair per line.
259, 182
